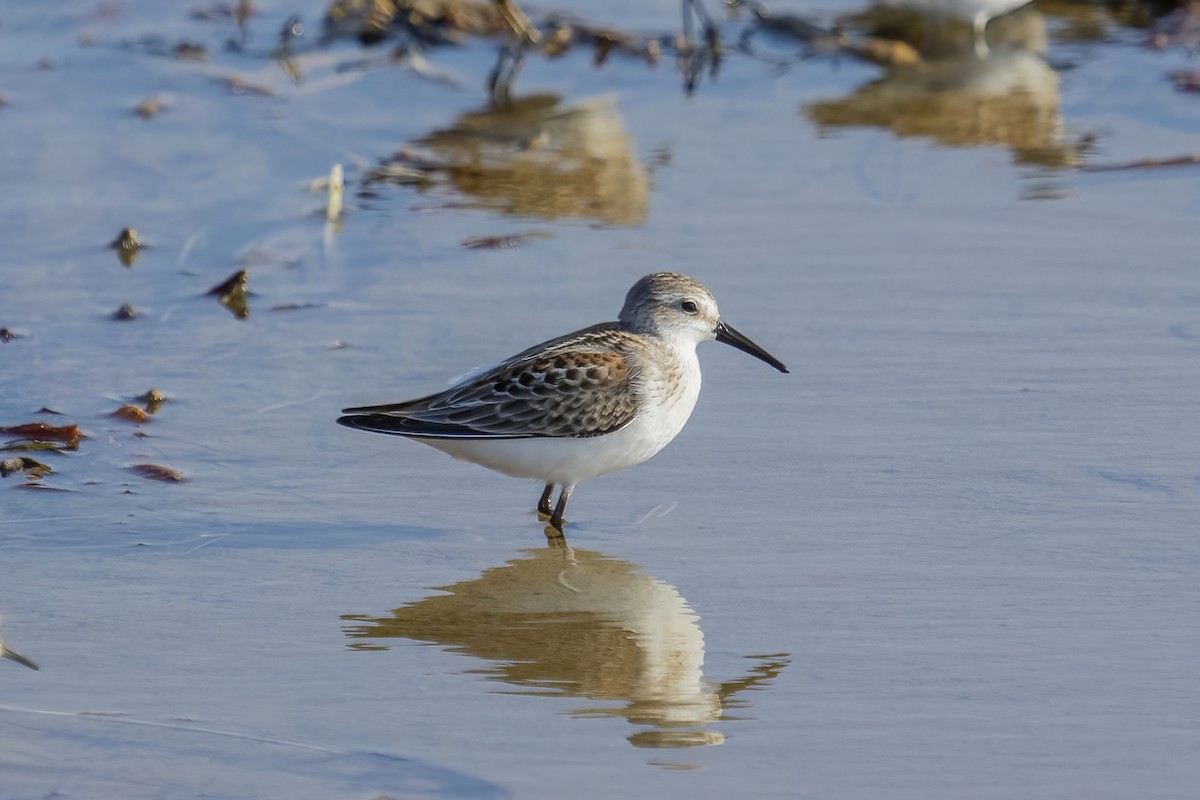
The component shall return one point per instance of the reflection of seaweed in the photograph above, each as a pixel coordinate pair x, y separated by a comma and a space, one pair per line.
534, 157
40, 433
580, 624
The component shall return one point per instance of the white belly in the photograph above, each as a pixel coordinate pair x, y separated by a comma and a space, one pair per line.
572, 461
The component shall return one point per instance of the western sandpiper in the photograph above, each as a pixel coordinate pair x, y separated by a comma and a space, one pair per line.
582, 405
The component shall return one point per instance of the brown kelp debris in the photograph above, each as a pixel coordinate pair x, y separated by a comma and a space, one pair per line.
69, 435
33, 470
153, 106
432, 21
369, 21
190, 51
125, 312
127, 239
131, 413
150, 107
560, 34
1186, 80
503, 242
157, 472
233, 293
152, 399
127, 244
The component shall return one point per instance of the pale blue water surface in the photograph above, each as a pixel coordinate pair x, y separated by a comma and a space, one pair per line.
953, 554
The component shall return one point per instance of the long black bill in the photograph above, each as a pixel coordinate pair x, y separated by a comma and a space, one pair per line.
730, 336
17, 657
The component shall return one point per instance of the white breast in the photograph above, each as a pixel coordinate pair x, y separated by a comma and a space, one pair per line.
669, 393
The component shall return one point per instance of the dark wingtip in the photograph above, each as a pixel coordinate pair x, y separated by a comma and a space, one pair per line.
376, 423
17, 657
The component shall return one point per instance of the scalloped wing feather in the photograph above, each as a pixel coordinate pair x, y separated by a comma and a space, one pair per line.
579, 385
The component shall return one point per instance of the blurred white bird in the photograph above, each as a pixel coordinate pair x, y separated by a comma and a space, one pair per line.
977, 12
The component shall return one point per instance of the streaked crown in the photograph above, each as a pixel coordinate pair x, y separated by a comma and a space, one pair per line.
670, 304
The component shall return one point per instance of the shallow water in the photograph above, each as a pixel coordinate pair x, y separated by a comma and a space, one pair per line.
951, 555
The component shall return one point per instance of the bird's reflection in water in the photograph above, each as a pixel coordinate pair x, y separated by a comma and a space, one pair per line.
1007, 97
581, 624
533, 156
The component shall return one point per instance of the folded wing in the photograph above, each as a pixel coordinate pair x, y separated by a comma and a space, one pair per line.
560, 392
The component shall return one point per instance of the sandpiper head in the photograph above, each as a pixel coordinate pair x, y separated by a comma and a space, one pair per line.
671, 305
674, 306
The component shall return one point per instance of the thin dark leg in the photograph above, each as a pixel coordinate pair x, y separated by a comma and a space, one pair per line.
544, 504
556, 519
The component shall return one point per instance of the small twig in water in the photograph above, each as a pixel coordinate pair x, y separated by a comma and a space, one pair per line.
1145, 163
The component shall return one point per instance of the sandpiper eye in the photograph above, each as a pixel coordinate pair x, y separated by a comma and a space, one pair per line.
689, 307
